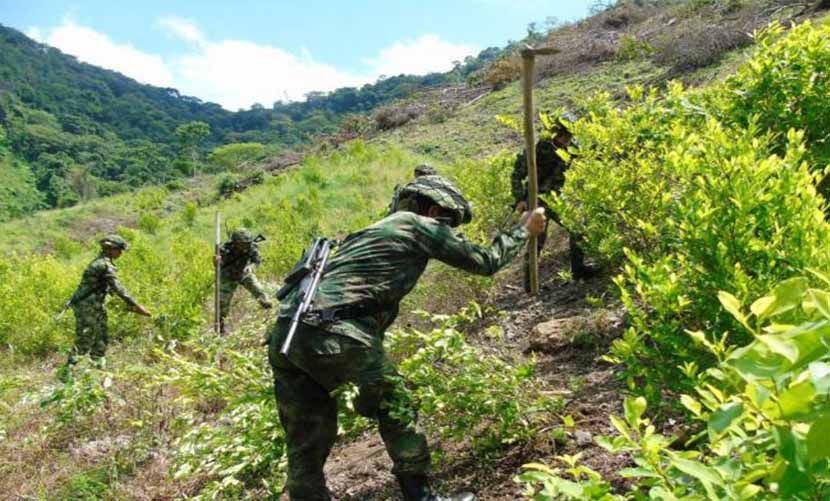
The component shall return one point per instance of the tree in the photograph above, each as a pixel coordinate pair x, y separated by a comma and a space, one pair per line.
191, 135
231, 156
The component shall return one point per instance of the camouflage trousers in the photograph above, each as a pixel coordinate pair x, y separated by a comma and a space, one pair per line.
90, 330
319, 363
228, 289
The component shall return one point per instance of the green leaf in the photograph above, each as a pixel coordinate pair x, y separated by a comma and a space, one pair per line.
697, 470
621, 427
788, 295
722, 418
780, 346
755, 362
820, 374
797, 399
634, 409
733, 306
692, 404
761, 306
638, 473
818, 300
791, 447
818, 445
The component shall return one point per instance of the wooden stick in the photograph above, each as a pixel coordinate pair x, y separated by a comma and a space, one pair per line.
217, 318
528, 70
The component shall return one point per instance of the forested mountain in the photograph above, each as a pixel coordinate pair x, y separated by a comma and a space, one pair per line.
73, 131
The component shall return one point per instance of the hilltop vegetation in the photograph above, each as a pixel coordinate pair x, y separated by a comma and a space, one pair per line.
77, 131
705, 202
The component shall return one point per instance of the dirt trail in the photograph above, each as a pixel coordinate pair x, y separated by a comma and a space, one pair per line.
567, 328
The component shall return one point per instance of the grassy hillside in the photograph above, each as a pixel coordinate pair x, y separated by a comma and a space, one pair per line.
702, 199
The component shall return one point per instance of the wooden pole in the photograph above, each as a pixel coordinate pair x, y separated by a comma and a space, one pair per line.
528, 76
217, 317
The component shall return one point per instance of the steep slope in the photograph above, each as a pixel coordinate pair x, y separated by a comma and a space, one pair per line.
180, 412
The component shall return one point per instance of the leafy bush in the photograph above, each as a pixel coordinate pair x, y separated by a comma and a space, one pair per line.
463, 393
227, 185
763, 412
81, 395
695, 207
785, 86
233, 156
502, 72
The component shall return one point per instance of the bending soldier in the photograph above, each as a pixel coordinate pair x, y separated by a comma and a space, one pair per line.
341, 339
87, 302
239, 256
551, 175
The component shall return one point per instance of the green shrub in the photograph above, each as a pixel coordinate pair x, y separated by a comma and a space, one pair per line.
784, 86
227, 185
695, 207
763, 412
464, 394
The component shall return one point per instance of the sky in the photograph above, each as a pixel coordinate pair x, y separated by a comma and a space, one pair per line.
240, 52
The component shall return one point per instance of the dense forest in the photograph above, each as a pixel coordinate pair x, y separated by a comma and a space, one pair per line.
71, 131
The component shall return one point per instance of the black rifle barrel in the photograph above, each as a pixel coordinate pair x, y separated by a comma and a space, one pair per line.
307, 295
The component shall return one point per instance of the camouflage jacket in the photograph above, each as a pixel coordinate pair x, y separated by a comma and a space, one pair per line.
236, 262
549, 166
98, 280
381, 264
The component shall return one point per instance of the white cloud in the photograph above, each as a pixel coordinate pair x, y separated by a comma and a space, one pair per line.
238, 73
425, 54
185, 29
97, 48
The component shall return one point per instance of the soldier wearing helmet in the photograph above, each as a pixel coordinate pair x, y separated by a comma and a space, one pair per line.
551, 175
239, 256
420, 171
341, 340
87, 302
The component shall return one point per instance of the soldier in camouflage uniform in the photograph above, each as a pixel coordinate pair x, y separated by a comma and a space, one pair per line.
99, 280
551, 175
239, 256
341, 340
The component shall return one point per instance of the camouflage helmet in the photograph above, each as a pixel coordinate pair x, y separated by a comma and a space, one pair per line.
425, 170
242, 236
443, 193
114, 242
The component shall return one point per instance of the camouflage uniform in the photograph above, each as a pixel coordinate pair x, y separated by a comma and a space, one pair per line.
551, 177
240, 256
363, 284
99, 279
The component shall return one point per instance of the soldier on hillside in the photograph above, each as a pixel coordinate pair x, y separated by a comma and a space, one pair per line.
420, 170
341, 339
238, 257
99, 280
551, 175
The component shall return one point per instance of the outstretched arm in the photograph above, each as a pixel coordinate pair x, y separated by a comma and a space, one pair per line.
440, 242
115, 286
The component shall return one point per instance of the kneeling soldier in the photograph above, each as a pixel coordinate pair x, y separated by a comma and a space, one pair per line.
341, 339
99, 280
239, 256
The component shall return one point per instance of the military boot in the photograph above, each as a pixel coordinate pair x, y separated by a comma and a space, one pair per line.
579, 269
416, 488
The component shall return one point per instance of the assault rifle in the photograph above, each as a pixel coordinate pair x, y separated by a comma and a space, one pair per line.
308, 274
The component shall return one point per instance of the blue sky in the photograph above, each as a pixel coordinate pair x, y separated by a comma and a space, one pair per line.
238, 52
